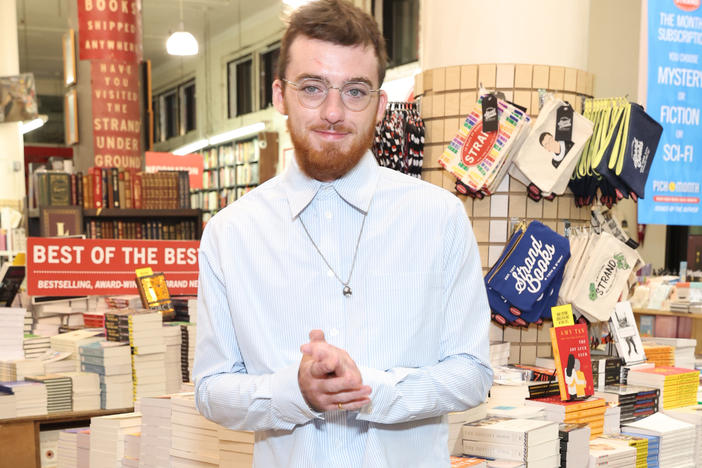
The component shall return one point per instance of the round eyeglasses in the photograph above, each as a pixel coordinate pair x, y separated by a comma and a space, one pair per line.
312, 92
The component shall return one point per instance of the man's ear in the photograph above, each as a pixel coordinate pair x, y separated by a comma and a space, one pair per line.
382, 104
278, 97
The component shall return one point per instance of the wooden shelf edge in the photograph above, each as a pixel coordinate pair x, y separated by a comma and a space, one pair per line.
66, 416
131, 212
667, 313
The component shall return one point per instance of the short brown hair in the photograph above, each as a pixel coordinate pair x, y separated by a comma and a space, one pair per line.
335, 21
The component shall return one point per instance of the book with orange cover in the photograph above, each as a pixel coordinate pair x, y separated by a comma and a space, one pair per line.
571, 353
556, 405
154, 294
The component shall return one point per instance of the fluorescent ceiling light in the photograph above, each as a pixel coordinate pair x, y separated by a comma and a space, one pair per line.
237, 133
26, 127
190, 147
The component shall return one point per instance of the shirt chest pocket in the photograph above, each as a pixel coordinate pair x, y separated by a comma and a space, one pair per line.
404, 318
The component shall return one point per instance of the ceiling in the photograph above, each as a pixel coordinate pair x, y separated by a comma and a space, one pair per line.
42, 23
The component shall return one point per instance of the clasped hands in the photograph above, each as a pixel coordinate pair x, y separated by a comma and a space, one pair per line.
328, 378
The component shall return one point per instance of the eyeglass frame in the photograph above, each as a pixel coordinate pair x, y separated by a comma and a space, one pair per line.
330, 87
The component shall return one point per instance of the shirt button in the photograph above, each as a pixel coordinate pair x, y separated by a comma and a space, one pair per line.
328, 215
330, 273
333, 332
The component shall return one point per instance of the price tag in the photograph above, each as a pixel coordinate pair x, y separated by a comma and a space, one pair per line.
562, 315
490, 121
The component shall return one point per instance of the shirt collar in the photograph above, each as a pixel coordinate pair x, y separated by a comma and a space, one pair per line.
356, 187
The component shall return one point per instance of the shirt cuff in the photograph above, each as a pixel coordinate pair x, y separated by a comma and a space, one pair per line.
382, 384
287, 400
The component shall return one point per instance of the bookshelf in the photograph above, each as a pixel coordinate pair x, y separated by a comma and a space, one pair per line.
19, 437
125, 218
696, 322
233, 168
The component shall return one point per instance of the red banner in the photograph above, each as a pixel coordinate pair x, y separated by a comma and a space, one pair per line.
76, 267
192, 163
116, 121
110, 30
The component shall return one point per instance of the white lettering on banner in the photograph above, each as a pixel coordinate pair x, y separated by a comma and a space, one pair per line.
680, 115
180, 256
672, 152
140, 255
530, 275
57, 254
104, 255
680, 77
64, 284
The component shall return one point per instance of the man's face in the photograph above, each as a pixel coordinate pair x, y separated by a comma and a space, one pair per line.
551, 144
331, 139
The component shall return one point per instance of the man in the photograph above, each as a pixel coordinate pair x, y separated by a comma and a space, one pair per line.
558, 148
341, 310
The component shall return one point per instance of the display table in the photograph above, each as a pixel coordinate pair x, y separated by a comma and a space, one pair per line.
695, 332
19, 437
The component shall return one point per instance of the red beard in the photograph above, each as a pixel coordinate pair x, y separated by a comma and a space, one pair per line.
330, 162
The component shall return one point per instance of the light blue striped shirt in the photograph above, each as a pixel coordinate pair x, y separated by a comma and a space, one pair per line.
416, 324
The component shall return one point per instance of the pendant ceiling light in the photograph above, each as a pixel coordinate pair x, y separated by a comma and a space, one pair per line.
181, 42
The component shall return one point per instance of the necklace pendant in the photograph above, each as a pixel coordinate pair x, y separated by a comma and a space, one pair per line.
347, 291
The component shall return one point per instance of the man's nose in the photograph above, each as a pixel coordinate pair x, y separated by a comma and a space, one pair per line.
333, 109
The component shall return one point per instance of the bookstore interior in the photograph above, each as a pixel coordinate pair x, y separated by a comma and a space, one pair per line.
569, 141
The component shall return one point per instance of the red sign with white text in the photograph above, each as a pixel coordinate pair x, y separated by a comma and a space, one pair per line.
76, 267
192, 163
110, 30
116, 121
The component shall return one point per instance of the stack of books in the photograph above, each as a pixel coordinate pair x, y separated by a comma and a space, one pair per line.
517, 411
12, 333
652, 443
524, 440
236, 448
660, 355
499, 353
8, 404
635, 401
18, 369
606, 370
67, 452
30, 397
59, 391
678, 387
612, 419
117, 324
71, 341
155, 431
456, 420
193, 438
94, 319
675, 446
611, 453
107, 434
83, 449
574, 444
185, 308
590, 411
57, 362
132, 445
35, 346
468, 462
126, 301
174, 375
148, 354
639, 443
86, 390
28, 322
683, 350
692, 415
187, 350
112, 362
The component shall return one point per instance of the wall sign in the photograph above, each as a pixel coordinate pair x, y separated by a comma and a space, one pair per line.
675, 100
76, 267
110, 30
116, 120
192, 163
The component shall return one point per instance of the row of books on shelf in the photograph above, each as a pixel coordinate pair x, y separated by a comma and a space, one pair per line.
162, 230
216, 200
230, 154
110, 187
228, 176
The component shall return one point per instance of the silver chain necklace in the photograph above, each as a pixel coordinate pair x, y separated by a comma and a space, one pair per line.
347, 289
